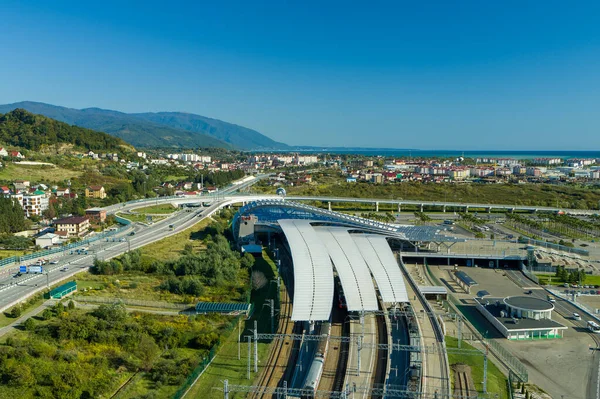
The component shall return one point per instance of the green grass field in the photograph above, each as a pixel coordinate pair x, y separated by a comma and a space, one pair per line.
496, 381
27, 306
140, 217
7, 253
226, 364
549, 279
170, 248
143, 287
567, 196
164, 208
35, 173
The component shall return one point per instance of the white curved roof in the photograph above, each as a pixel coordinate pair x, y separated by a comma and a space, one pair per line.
351, 268
383, 265
313, 272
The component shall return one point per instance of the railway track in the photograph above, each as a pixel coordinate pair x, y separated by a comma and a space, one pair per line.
336, 360
279, 353
381, 361
462, 388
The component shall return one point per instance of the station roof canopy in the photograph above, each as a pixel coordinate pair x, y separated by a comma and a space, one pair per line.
269, 211
433, 289
313, 272
464, 277
351, 268
380, 259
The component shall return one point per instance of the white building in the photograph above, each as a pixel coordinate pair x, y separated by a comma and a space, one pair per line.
47, 240
35, 204
3, 152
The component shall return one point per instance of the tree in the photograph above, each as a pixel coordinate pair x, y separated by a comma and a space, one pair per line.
147, 351
12, 217
29, 324
247, 261
15, 311
71, 305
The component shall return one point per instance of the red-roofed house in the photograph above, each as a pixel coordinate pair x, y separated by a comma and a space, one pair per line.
16, 154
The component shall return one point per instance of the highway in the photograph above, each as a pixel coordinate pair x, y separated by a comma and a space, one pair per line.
15, 289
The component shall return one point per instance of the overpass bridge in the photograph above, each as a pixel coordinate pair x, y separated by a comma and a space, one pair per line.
443, 205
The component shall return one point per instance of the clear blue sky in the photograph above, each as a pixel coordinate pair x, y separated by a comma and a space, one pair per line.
419, 74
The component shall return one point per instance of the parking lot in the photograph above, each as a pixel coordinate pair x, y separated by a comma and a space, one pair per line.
546, 360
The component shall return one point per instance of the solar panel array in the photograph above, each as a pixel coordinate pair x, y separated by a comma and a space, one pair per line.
383, 265
313, 272
220, 307
352, 270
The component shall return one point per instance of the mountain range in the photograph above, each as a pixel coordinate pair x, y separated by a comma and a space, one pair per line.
161, 129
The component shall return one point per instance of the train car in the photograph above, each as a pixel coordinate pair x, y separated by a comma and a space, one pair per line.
313, 377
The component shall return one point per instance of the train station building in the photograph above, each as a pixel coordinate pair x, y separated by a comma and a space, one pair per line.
521, 317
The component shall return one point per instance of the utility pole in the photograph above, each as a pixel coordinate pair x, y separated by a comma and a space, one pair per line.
485, 369
226, 389
459, 321
255, 346
249, 354
272, 302
359, 347
239, 340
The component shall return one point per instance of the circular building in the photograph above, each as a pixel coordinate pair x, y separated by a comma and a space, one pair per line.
528, 307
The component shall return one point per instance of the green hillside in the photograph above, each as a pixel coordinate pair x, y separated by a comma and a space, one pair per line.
164, 129
237, 136
23, 129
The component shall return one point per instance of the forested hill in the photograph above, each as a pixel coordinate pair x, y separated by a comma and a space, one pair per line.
30, 131
163, 129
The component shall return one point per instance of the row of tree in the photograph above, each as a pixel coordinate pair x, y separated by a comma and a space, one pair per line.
571, 277
12, 216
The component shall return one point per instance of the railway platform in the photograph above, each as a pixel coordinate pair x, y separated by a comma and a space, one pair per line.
362, 377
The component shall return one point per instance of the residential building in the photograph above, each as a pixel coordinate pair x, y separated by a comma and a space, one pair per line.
3, 152
96, 214
35, 203
95, 192
75, 226
535, 172
21, 185
16, 154
62, 192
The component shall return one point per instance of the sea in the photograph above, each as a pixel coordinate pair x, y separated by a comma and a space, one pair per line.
415, 153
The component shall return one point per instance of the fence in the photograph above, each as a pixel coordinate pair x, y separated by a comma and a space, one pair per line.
546, 244
529, 274
47, 252
205, 362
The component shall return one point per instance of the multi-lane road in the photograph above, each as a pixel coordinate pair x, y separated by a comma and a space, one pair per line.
15, 289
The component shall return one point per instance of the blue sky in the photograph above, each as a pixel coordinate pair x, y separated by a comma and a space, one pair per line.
431, 75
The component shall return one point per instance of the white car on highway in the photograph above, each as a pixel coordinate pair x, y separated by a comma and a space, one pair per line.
576, 316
